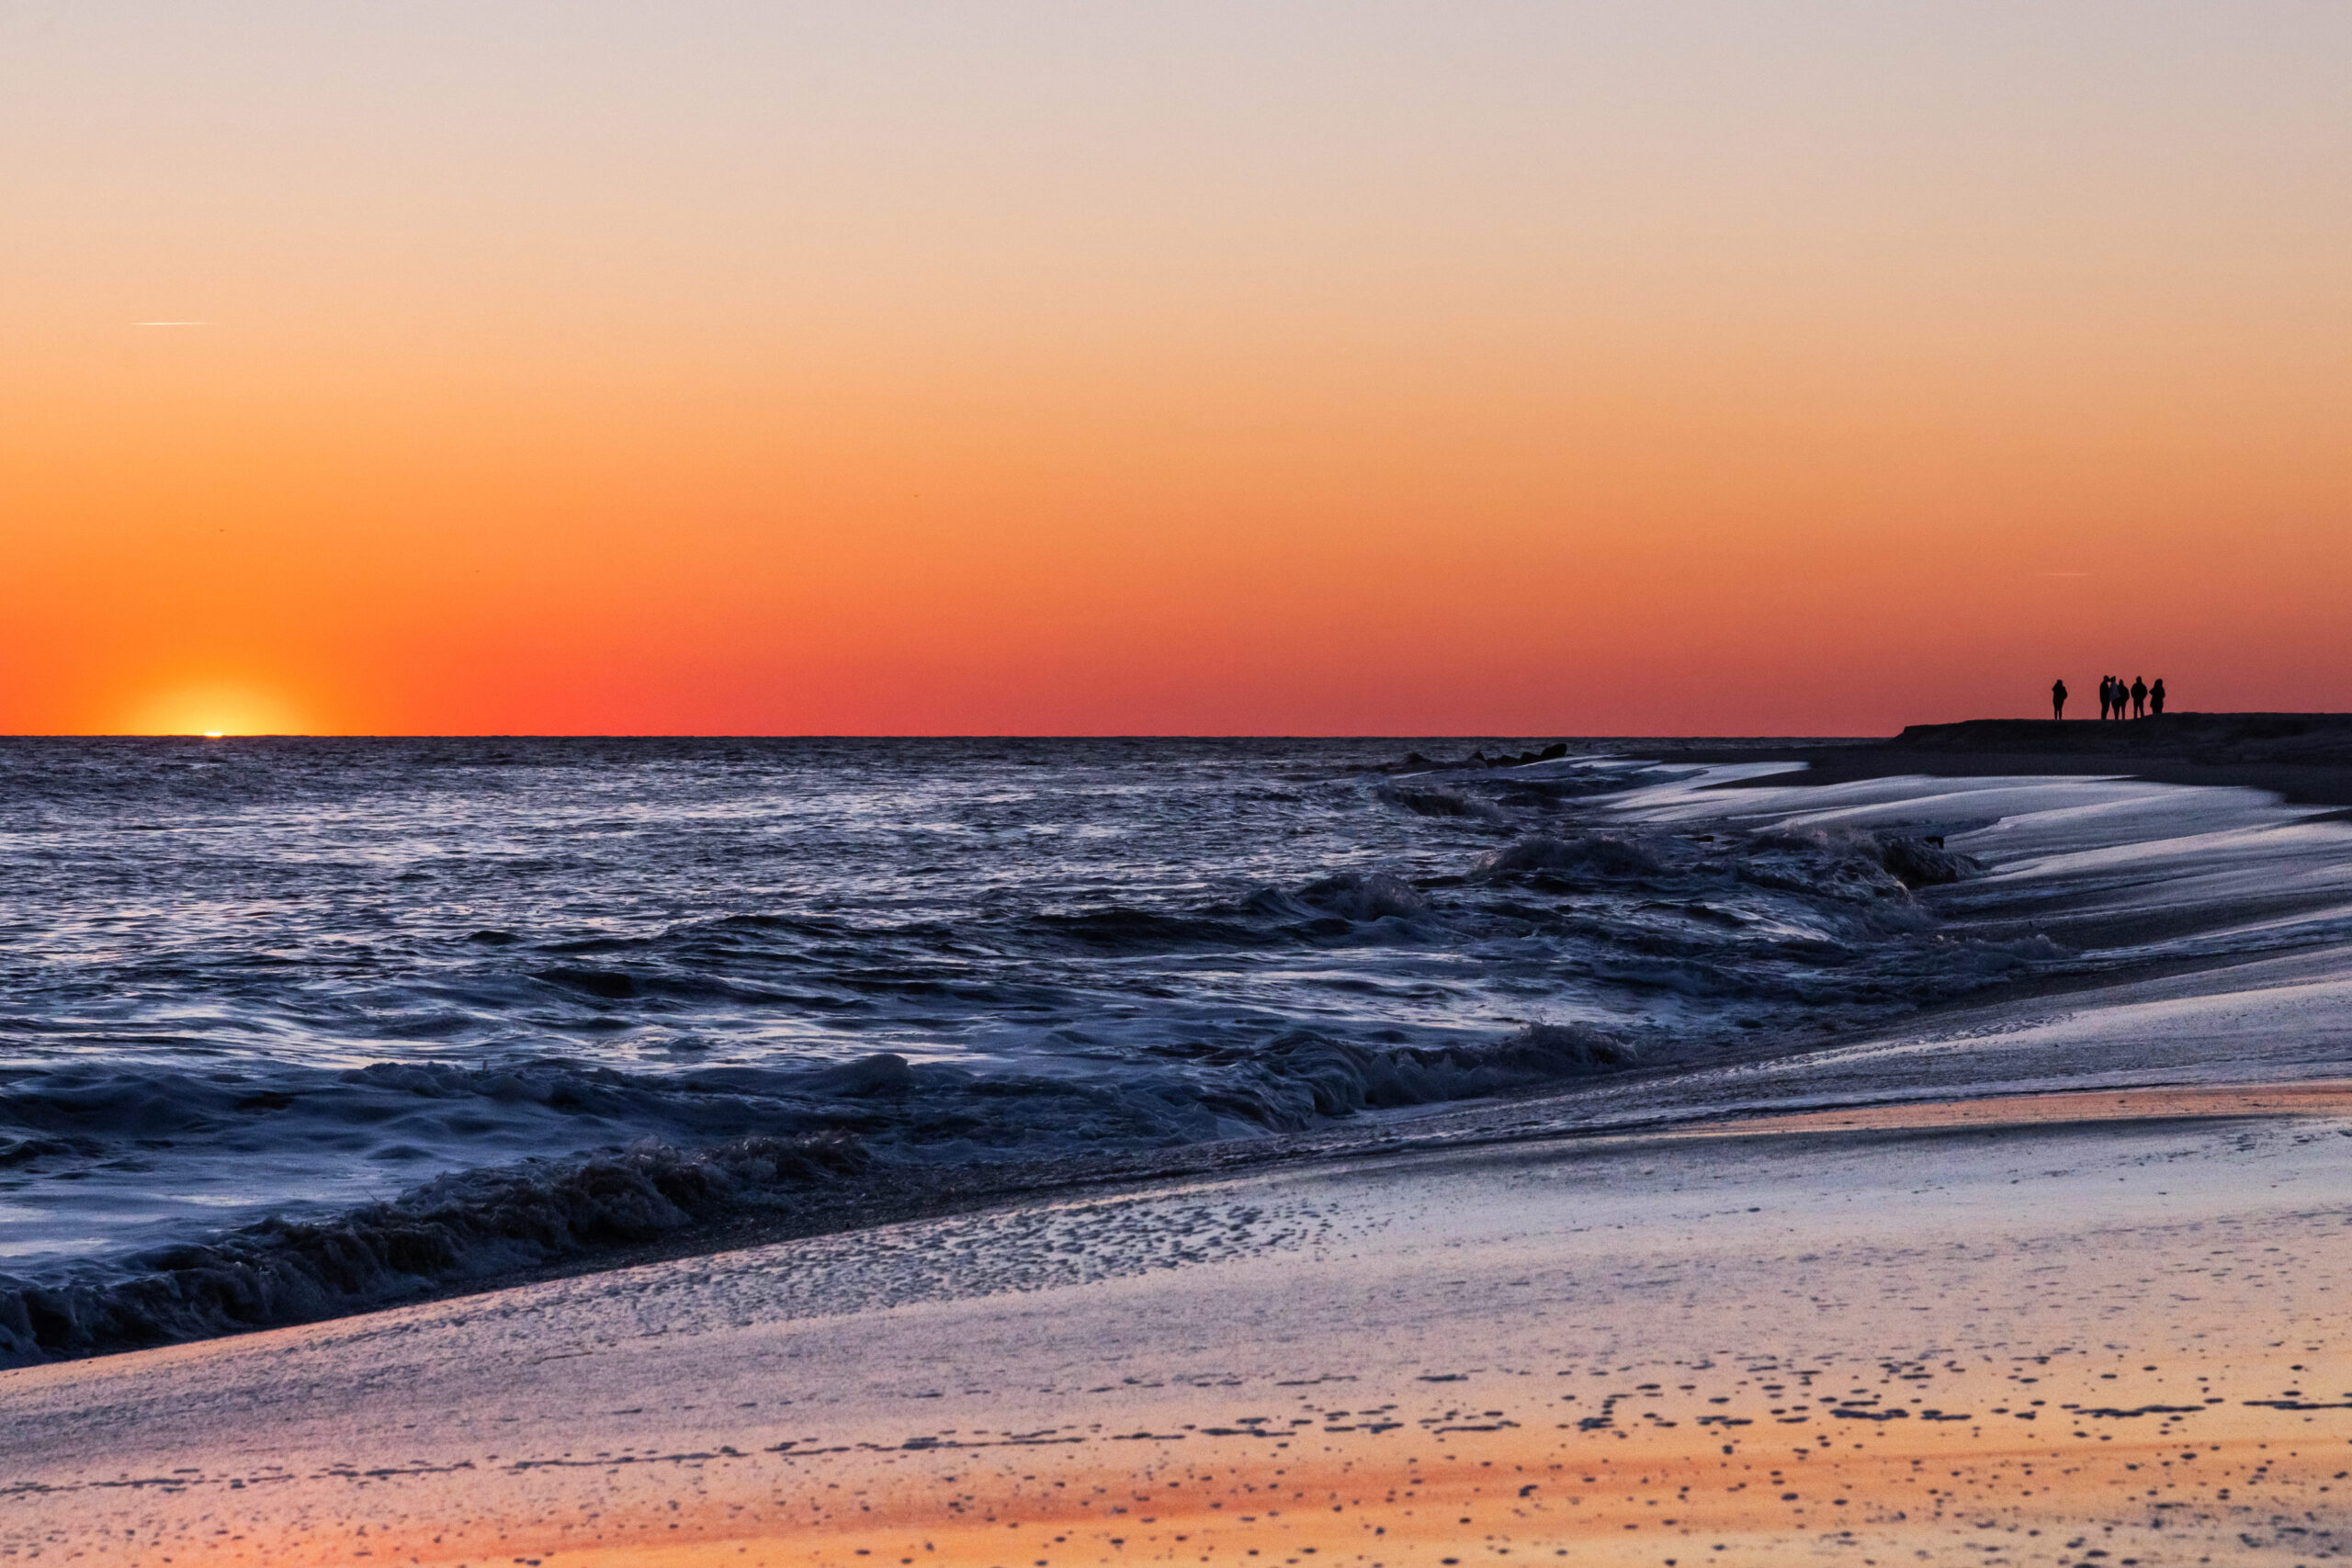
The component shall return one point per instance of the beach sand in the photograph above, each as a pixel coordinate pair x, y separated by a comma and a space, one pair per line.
2027, 1330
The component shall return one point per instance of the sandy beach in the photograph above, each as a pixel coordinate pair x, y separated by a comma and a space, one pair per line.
2048, 1276
2021, 1331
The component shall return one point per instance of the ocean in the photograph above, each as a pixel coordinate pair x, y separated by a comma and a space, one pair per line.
290, 1027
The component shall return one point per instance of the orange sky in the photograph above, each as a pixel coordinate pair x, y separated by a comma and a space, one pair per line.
1270, 368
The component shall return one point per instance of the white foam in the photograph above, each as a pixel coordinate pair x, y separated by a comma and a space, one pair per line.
2254, 893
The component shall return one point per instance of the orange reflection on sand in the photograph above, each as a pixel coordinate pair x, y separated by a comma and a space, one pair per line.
2323, 1098
2045, 1463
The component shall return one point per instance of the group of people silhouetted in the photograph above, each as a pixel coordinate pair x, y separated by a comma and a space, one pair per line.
2117, 699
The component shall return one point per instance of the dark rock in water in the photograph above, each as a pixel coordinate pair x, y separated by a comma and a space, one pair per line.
1924, 862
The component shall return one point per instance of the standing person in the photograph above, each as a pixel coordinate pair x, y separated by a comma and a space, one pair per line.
2106, 694
2157, 697
2139, 697
2058, 698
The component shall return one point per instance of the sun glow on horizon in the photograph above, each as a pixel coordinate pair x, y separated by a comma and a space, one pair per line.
213, 711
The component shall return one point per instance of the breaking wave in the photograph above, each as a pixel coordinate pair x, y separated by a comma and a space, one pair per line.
460, 1227
880, 1113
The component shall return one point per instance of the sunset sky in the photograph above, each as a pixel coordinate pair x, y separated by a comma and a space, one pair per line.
1270, 367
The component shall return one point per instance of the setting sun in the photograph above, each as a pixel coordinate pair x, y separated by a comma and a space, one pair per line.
213, 710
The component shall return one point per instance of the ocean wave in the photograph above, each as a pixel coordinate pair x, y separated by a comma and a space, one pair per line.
1363, 896
1121, 929
879, 1113
1923, 861
1604, 855
457, 1228
1442, 800
1334, 906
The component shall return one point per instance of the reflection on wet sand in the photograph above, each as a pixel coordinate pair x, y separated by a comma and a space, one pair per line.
2170, 1103
2092, 1328
2072, 1457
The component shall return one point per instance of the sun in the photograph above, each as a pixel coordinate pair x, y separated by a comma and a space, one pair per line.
213, 710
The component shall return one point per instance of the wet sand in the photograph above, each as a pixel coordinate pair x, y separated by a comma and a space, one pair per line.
2085, 1328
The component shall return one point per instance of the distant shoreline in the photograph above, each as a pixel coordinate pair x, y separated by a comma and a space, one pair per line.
2306, 759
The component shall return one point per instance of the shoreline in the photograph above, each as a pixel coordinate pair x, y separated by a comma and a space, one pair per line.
1638, 1100
2305, 759
1434, 1131
2065, 1320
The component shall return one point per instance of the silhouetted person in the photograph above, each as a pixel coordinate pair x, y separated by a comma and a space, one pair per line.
2106, 694
2058, 698
2139, 697
2156, 696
